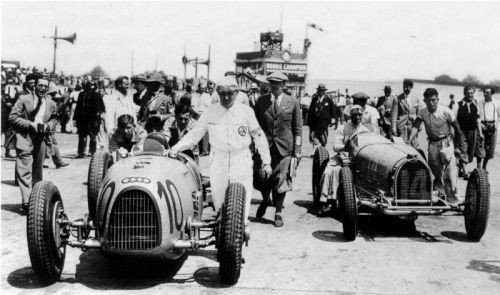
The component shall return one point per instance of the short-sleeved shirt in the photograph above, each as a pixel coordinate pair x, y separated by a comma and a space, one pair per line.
437, 124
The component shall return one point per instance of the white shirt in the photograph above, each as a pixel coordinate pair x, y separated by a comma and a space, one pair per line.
242, 97
489, 110
305, 100
41, 111
116, 105
230, 131
279, 98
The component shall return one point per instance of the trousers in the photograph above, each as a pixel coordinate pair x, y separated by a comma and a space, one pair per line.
29, 168
229, 167
443, 166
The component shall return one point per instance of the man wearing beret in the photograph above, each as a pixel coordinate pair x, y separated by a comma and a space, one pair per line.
32, 117
280, 118
321, 113
345, 141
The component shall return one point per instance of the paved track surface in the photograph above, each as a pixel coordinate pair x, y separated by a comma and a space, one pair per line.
306, 256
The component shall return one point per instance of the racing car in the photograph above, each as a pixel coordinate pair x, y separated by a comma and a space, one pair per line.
383, 177
143, 205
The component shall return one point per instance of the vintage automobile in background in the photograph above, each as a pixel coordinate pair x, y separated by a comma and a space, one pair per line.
383, 177
146, 205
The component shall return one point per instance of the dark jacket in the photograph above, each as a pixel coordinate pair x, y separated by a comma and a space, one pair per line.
284, 128
321, 113
88, 111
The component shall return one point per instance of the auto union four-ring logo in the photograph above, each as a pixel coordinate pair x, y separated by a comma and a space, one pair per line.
136, 179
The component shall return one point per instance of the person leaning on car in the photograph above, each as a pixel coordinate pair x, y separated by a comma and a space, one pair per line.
439, 122
33, 117
231, 127
344, 142
128, 135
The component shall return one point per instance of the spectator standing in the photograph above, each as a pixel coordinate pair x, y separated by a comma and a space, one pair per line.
321, 113
118, 103
89, 108
404, 110
370, 116
139, 84
305, 103
384, 107
490, 113
469, 120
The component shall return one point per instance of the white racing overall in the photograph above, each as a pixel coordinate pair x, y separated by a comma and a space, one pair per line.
230, 132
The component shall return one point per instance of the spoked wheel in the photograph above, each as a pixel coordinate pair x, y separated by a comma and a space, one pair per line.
477, 204
232, 233
320, 160
348, 204
46, 249
98, 168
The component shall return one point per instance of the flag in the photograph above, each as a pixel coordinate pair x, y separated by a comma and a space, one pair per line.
314, 26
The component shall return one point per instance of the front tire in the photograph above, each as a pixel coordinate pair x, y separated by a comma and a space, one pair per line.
231, 235
320, 160
348, 204
47, 251
98, 168
477, 204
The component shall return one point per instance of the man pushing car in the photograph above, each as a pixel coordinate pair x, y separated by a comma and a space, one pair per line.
231, 127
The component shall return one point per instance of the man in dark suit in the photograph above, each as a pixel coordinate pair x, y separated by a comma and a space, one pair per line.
87, 117
33, 117
139, 83
279, 116
321, 113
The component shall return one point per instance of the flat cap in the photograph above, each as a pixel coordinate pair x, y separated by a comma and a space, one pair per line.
155, 78
277, 77
360, 95
227, 82
139, 78
254, 86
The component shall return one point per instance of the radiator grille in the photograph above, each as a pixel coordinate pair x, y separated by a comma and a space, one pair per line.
134, 223
413, 182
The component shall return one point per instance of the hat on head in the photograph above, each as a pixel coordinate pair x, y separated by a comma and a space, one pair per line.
277, 77
139, 78
155, 78
360, 95
356, 109
387, 87
52, 88
254, 86
322, 87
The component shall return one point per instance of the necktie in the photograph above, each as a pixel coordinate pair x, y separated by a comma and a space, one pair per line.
276, 106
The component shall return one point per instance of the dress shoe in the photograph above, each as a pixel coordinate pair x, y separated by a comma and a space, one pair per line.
80, 156
278, 221
62, 164
261, 210
326, 210
24, 208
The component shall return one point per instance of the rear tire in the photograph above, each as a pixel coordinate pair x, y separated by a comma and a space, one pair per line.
232, 234
320, 160
98, 168
477, 204
47, 252
348, 204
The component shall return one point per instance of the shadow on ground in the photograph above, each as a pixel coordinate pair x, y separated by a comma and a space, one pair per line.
14, 208
9, 182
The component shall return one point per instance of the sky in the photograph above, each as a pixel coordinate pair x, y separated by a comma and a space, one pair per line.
375, 41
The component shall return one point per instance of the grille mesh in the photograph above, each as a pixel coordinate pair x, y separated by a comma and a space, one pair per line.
413, 182
134, 223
